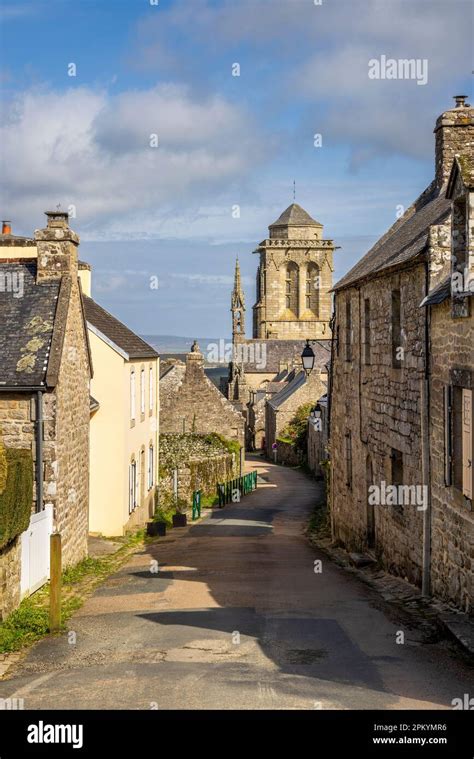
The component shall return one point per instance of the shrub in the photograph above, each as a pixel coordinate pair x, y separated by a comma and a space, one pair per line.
296, 430
17, 498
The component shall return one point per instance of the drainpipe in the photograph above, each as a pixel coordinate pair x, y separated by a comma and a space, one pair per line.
39, 451
425, 452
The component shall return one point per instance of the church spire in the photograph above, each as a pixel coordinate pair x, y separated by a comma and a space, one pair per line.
238, 307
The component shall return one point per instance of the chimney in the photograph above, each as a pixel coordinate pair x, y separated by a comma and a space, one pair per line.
454, 135
6, 227
57, 247
194, 362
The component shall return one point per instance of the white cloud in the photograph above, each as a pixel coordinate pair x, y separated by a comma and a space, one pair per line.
212, 279
92, 150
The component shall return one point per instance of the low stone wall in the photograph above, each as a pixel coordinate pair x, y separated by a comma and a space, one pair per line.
287, 454
201, 462
199, 474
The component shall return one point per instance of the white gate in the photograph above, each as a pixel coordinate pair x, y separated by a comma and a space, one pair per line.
35, 552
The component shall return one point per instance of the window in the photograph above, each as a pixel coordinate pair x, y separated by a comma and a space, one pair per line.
348, 330
367, 331
397, 349
458, 433
132, 487
142, 391
150, 390
291, 289
132, 395
151, 464
312, 288
397, 467
348, 459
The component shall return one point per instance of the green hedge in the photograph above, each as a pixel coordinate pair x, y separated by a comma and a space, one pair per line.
17, 499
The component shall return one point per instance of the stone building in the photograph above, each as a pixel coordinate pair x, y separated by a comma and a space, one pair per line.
293, 304
45, 370
281, 408
294, 277
380, 384
190, 402
451, 373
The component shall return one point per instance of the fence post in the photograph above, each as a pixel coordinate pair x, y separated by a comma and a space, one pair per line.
55, 582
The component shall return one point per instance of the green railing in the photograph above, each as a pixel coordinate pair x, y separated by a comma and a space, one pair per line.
244, 484
196, 504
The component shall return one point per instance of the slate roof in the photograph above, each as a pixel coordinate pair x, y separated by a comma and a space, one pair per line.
116, 332
288, 390
404, 241
439, 294
286, 351
295, 216
27, 325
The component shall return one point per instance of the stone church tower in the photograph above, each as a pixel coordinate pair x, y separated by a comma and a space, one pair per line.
294, 278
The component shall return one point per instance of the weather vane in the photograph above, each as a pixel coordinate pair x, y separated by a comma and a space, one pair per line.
294, 190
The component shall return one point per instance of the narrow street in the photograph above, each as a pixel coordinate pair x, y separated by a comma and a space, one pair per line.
237, 618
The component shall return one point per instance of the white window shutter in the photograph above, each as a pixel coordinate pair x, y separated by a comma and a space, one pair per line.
467, 443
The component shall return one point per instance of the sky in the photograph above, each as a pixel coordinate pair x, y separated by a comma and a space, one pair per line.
174, 130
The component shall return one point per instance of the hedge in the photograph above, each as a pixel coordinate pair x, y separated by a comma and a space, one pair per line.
17, 499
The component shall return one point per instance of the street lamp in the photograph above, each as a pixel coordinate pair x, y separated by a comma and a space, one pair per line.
315, 413
307, 358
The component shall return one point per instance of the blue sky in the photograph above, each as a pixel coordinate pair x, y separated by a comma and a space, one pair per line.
223, 140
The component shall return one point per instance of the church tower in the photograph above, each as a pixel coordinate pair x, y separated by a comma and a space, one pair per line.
237, 308
294, 279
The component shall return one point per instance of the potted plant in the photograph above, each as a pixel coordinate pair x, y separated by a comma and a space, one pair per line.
179, 518
155, 528
158, 524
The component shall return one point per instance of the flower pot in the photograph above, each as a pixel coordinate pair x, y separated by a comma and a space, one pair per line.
156, 528
179, 520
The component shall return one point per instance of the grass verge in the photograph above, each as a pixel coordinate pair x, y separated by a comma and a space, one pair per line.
30, 621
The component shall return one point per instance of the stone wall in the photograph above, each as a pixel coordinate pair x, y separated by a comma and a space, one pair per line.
71, 514
199, 474
201, 461
375, 410
288, 455
452, 538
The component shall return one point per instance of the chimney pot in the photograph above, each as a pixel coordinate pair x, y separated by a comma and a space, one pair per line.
461, 101
6, 227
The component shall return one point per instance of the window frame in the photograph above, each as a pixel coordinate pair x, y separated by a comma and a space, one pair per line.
133, 390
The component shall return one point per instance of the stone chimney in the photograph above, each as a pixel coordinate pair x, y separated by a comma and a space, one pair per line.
454, 133
57, 247
194, 362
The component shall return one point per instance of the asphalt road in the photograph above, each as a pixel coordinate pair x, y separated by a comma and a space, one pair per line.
237, 618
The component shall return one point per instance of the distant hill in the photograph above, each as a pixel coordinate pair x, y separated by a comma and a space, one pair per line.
178, 344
